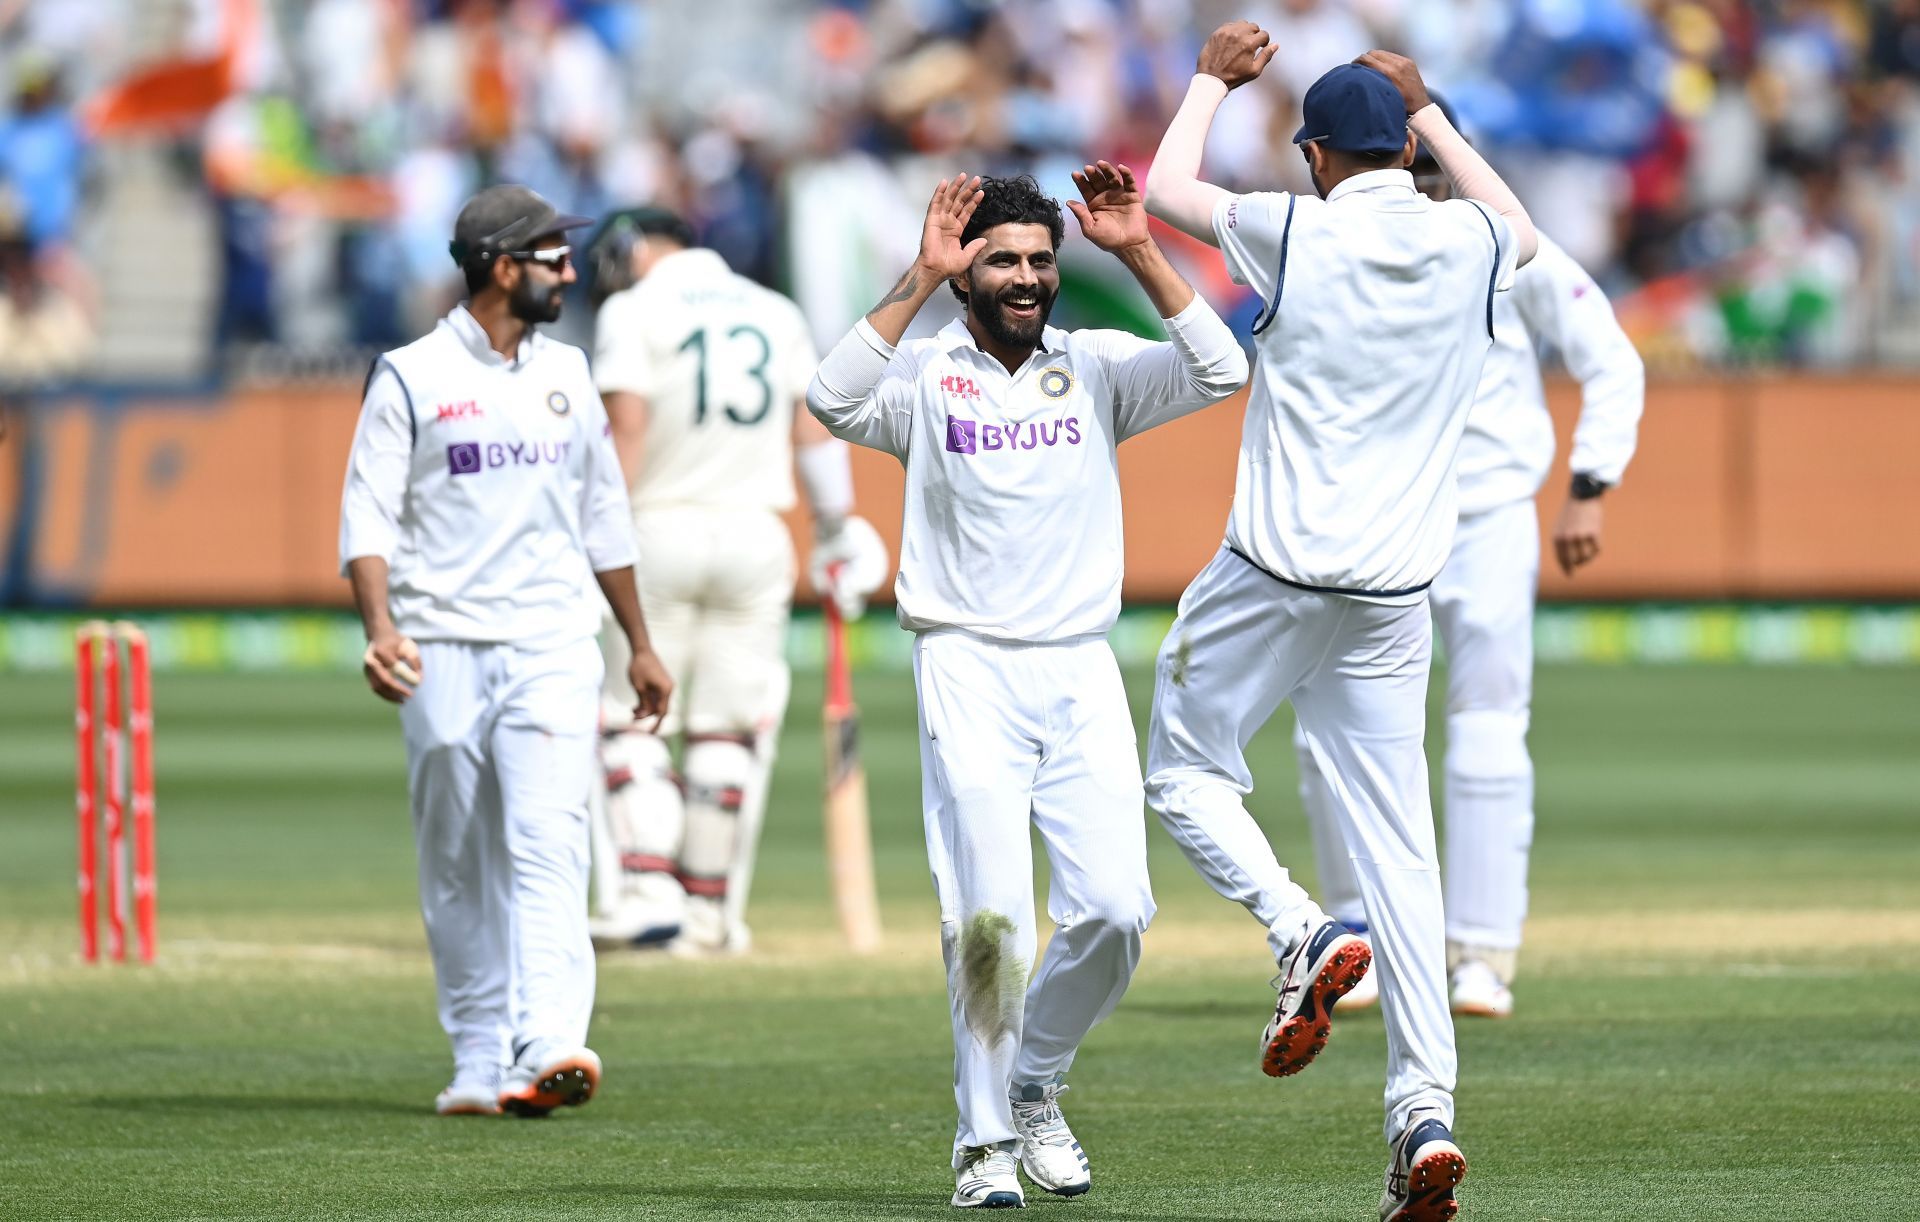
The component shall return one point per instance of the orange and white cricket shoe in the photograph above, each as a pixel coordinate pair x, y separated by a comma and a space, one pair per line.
1427, 1166
471, 1093
546, 1075
1320, 971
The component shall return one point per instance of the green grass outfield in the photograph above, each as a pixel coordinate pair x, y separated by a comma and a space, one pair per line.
1719, 1014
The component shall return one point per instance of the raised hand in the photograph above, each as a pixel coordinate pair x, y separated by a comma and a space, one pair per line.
1404, 74
1114, 215
1237, 52
941, 251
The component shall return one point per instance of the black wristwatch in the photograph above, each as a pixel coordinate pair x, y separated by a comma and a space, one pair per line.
1585, 487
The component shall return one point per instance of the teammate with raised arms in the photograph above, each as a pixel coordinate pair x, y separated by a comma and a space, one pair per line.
1010, 578
1378, 311
1483, 606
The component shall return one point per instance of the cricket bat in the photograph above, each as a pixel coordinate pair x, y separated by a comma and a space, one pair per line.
849, 844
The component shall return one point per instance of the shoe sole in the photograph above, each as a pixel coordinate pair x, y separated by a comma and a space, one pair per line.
993, 1200
1066, 1190
1471, 1009
1296, 1041
1430, 1185
470, 1109
568, 1083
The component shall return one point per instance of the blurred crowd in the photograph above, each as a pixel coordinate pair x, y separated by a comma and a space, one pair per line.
1741, 177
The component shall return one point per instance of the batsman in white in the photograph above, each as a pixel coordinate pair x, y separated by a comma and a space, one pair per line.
703, 373
482, 503
1483, 606
1378, 312
1010, 578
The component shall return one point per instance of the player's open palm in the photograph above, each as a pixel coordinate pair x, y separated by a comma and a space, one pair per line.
1115, 212
941, 250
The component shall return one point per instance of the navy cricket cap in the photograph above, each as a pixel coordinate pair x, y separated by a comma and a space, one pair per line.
506, 218
1355, 109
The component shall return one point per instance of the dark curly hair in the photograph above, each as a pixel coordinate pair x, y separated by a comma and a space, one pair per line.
1012, 201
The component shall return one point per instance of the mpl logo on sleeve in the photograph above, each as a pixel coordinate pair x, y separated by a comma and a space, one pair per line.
466, 410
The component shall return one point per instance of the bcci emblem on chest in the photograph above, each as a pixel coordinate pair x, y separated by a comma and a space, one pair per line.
1056, 383
557, 404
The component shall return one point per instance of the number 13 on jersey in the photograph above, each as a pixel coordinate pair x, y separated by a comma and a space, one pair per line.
744, 348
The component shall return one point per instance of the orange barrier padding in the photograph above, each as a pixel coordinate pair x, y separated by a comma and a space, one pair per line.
1766, 487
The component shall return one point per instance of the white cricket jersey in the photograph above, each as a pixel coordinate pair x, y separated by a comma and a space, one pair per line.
489, 486
721, 362
1377, 317
1012, 524
1508, 446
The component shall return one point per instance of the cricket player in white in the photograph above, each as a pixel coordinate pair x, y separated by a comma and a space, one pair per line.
1378, 314
482, 501
1483, 607
1010, 578
703, 373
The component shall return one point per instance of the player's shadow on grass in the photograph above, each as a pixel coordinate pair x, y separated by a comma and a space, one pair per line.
208, 1103
889, 1203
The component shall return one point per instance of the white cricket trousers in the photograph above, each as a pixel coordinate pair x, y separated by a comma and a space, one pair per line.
1356, 673
500, 760
1483, 611
716, 586
1012, 735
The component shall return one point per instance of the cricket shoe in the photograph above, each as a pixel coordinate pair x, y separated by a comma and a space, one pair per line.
546, 1074
1426, 1168
1049, 1151
987, 1179
1320, 971
473, 1092
1478, 991
707, 933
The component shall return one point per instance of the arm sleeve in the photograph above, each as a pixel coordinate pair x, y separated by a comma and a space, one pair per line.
606, 518
863, 392
1200, 363
1473, 178
1563, 305
1175, 192
621, 361
378, 469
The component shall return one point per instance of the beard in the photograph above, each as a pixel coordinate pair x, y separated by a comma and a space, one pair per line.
1017, 333
531, 304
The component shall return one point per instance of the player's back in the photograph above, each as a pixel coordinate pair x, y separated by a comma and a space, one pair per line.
721, 362
1370, 348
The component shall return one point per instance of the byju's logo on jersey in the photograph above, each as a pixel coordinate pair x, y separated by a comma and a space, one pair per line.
959, 387
971, 437
463, 457
470, 457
